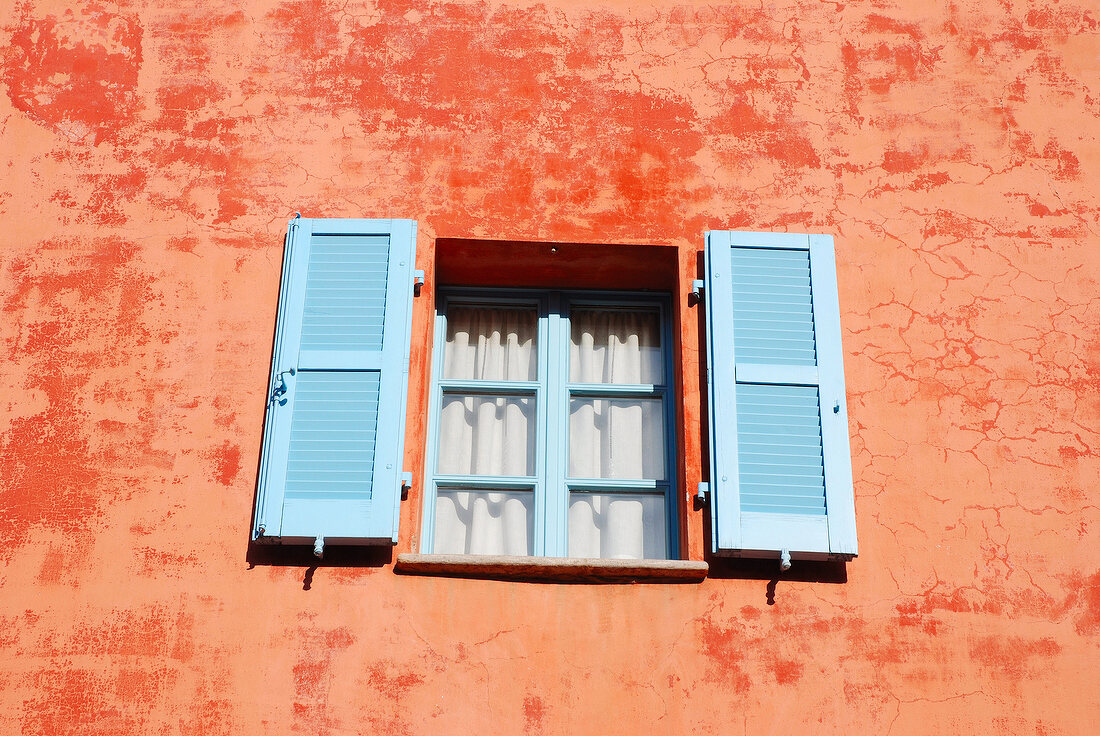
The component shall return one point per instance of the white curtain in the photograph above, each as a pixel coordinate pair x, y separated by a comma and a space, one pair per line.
484, 523
608, 438
491, 343
487, 435
615, 346
617, 525
616, 438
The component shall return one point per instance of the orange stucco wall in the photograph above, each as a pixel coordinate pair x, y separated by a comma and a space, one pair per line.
152, 153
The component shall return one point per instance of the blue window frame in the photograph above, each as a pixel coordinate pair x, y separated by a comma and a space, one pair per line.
551, 447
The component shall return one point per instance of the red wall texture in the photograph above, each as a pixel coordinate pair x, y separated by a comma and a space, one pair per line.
152, 154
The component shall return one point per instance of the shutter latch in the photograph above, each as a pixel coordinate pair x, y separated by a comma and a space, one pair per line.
280, 387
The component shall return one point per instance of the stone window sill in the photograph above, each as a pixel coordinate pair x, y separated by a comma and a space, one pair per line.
553, 569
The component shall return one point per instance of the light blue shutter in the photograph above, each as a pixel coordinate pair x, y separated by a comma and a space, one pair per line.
781, 474
335, 425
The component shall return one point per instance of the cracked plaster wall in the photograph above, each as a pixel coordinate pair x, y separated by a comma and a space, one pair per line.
152, 154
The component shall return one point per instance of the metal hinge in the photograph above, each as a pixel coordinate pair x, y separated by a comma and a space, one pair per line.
701, 492
697, 286
418, 281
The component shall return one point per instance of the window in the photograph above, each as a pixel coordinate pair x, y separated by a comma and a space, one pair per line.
552, 411
549, 426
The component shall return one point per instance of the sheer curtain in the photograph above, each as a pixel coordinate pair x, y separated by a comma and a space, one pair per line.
616, 438
494, 435
625, 526
487, 435
491, 343
484, 523
615, 346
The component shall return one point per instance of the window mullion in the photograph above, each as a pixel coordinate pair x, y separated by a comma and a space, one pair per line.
555, 501
541, 429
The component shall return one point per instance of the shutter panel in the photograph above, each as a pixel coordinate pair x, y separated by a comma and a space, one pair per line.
781, 474
334, 436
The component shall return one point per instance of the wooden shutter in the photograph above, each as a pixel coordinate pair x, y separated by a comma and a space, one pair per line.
335, 424
781, 474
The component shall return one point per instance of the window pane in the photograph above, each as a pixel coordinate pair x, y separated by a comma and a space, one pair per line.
617, 525
491, 343
615, 346
616, 438
484, 523
487, 435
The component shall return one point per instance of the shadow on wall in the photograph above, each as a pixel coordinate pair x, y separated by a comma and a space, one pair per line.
802, 571
293, 555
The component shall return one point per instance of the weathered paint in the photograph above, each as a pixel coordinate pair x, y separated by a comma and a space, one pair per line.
153, 154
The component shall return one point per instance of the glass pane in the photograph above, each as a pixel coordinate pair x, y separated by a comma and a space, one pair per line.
491, 343
626, 526
616, 438
615, 346
484, 523
487, 435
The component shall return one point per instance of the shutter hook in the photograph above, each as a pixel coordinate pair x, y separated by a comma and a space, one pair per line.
280, 387
319, 547
785, 560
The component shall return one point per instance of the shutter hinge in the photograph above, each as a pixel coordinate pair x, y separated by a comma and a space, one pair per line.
280, 387
418, 281
701, 492
406, 484
697, 286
